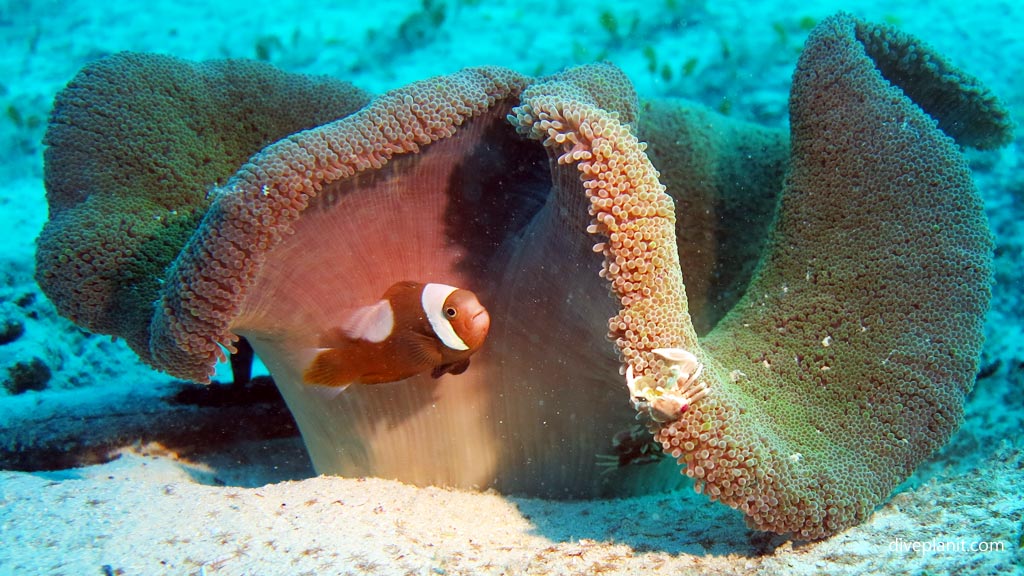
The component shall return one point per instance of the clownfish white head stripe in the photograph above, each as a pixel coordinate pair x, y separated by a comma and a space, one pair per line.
433, 299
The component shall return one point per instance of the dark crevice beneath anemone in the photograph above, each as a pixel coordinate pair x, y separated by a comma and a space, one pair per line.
194, 422
241, 363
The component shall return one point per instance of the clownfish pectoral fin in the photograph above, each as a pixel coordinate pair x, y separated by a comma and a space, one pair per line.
328, 369
419, 351
453, 368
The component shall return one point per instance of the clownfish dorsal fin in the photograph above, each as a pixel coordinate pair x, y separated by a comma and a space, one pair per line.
373, 323
433, 299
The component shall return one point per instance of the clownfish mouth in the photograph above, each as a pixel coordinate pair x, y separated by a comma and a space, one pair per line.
480, 324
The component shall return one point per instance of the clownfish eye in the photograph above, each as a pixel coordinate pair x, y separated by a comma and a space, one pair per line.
451, 312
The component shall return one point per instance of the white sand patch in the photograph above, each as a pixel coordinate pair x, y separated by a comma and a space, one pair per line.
145, 515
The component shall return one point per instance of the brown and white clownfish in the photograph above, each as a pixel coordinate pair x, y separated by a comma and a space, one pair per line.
413, 328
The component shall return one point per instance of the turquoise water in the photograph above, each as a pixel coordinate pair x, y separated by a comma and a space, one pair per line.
542, 410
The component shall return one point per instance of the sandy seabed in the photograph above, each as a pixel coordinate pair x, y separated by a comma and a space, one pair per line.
146, 514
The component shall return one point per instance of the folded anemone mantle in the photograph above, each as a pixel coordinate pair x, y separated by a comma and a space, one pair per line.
848, 358
843, 360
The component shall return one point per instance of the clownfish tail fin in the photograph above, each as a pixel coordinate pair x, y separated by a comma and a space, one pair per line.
328, 369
